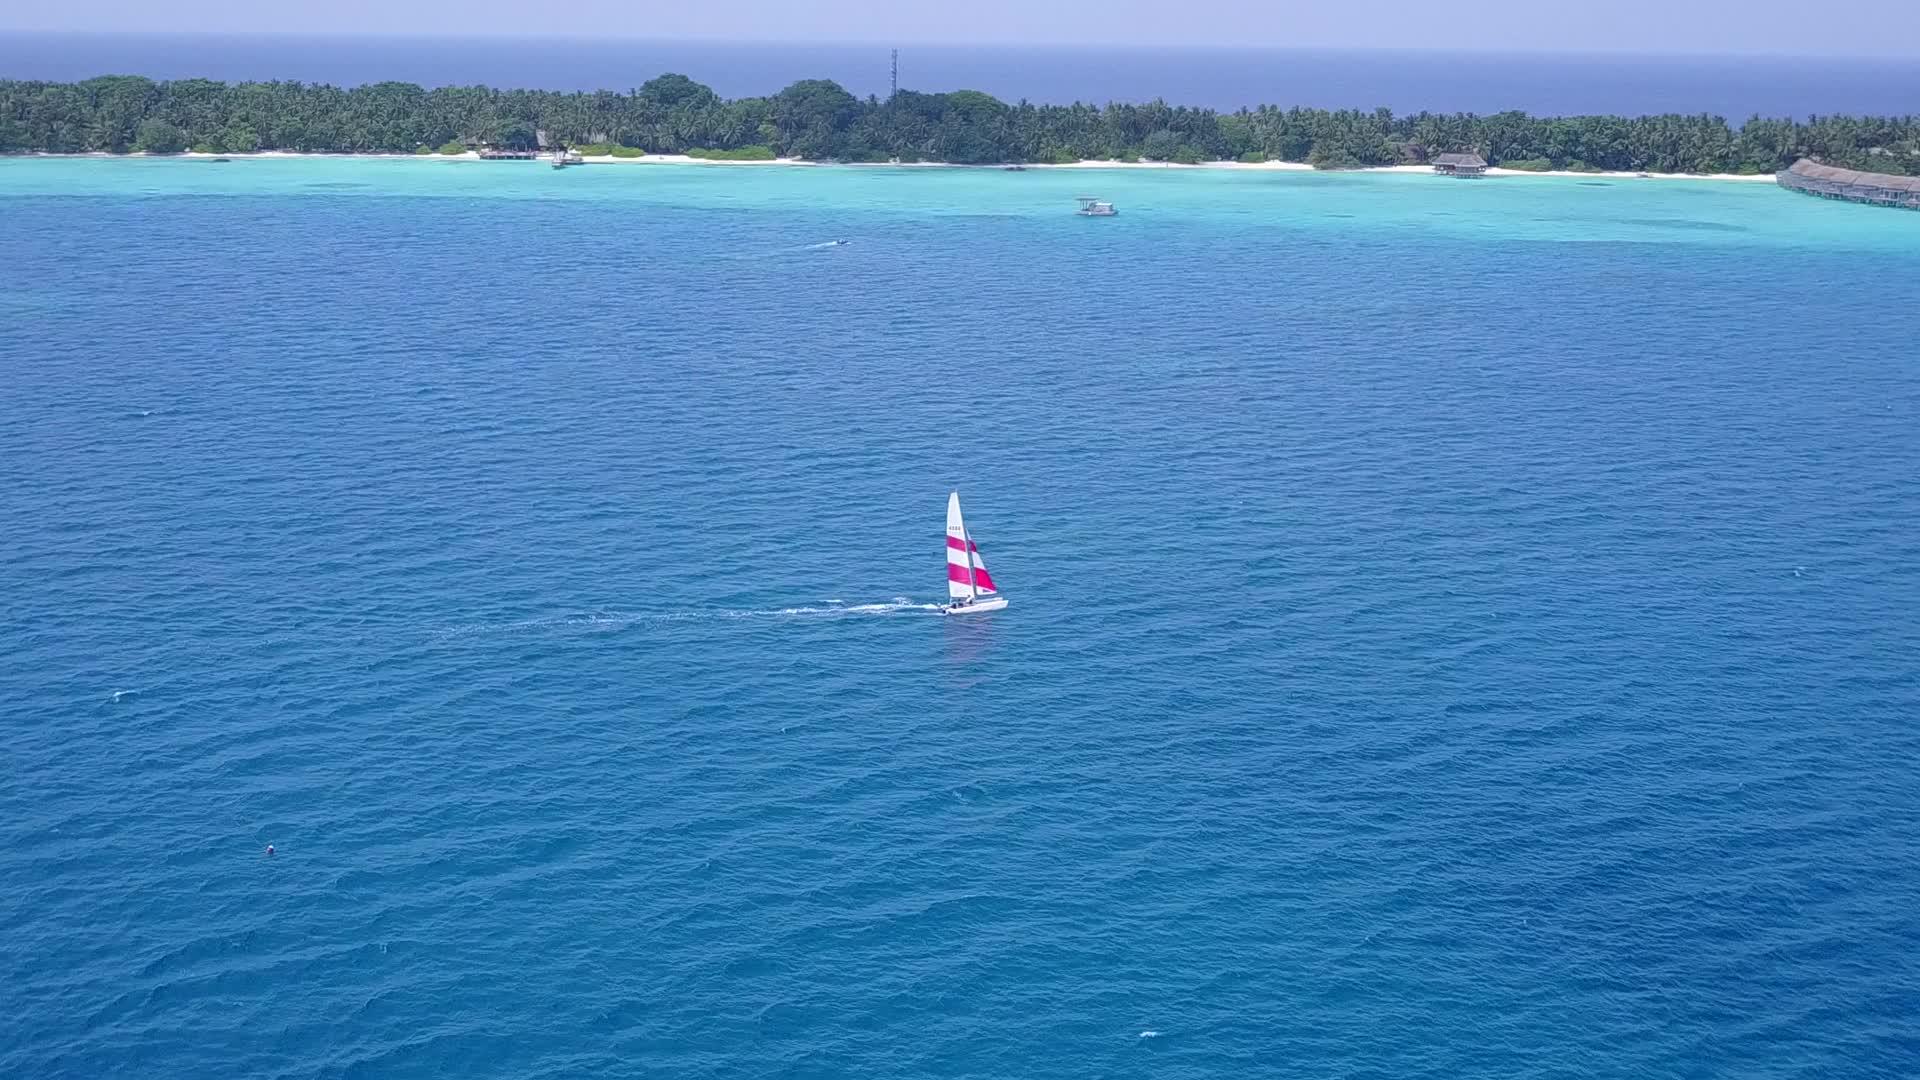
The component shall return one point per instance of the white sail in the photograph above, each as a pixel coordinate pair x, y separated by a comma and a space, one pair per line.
959, 571
967, 577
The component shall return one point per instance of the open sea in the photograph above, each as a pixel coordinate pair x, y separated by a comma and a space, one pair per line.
1458, 629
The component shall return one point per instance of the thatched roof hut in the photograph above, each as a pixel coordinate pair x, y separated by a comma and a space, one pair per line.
1879, 189
1460, 165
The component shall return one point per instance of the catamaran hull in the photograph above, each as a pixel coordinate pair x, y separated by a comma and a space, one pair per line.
977, 607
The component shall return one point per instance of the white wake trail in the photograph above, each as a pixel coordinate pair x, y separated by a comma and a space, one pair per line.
899, 605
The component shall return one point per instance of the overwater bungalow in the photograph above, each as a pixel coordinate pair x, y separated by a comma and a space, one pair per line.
1466, 165
1827, 182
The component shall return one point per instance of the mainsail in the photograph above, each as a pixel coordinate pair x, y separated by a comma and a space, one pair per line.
966, 570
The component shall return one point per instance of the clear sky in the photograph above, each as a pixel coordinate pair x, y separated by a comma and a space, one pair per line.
1861, 27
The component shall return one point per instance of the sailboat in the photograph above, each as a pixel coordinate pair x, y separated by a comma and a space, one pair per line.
969, 588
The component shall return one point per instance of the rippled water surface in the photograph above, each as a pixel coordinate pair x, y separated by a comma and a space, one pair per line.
1458, 630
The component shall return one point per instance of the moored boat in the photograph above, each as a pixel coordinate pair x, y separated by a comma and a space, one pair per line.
1092, 207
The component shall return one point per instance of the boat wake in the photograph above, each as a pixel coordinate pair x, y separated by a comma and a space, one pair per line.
831, 609
784, 252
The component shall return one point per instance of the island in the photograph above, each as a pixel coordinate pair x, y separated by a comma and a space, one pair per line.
818, 120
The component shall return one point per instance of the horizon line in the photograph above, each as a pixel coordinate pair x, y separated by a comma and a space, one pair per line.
881, 43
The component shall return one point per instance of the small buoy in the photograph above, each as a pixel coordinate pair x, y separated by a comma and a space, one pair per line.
269, 849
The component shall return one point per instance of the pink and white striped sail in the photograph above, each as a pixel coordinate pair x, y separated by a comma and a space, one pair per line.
966, 570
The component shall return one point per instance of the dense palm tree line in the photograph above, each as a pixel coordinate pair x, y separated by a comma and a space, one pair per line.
817, 119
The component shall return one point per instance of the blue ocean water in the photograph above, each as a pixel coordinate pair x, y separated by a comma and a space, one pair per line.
1547, 84
1458, 630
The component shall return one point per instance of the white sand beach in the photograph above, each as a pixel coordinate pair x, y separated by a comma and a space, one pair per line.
1297, 166
1261, 166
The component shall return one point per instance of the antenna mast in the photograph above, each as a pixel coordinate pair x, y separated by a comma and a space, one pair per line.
894, 83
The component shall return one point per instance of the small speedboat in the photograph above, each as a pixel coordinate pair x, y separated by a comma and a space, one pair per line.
970, 589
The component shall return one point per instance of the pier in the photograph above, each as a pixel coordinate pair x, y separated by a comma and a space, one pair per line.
1875, 189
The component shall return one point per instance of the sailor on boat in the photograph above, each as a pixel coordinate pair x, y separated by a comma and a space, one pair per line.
969, 587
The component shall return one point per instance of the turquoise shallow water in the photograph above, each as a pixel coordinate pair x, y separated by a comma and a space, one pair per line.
1458, 629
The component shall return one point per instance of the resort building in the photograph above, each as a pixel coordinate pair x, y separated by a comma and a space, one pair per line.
496, 152
1877, 189
1469, 165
